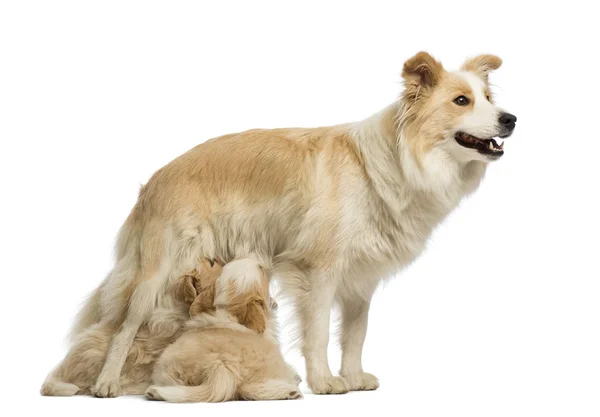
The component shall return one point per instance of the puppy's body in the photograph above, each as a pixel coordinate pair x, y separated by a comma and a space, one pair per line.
222, 361
332, 211
229, 350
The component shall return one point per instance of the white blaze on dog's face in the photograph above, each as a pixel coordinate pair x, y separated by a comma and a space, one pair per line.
454, 111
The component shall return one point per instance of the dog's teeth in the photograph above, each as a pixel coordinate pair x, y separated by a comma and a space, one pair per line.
500, 144
491, 146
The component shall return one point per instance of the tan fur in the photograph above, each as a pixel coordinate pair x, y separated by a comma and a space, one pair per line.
224, 354
78, 372
482, 65
331, 211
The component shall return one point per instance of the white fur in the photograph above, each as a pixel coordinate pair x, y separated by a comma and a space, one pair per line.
482, 121
242, 273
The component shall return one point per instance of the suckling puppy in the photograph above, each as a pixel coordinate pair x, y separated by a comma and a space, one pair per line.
227, 351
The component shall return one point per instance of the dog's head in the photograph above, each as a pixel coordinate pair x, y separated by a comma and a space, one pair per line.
454, 110
243, 291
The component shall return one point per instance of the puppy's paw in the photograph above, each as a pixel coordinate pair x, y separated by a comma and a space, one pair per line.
106, 389
362, 381
294, 395
328, 385
154, 394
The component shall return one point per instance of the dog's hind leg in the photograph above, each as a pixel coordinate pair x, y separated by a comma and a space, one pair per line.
272, 389
141, 304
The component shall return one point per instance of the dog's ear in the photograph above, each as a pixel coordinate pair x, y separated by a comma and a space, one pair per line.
184, 289
422, 71
482, 65
255, 317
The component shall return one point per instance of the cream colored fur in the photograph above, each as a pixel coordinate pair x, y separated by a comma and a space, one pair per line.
331, 211
79, 370
227, 352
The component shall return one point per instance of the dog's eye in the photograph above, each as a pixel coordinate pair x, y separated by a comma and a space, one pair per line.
488, 98
212, 262
461, 101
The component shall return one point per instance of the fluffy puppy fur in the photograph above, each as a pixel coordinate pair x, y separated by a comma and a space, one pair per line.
331, 211
227, 351
79, 370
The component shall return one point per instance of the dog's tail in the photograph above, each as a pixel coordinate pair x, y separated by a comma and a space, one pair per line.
220, 386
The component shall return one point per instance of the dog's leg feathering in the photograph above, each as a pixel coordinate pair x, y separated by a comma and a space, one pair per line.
140, 307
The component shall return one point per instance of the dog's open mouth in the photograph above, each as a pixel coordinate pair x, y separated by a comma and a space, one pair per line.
484, 146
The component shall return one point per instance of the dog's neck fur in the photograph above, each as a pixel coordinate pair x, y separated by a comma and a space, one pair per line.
399, 175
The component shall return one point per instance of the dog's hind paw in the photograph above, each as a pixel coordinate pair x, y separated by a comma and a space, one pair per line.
106, 389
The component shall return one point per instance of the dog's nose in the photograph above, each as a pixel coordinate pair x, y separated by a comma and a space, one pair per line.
508, 120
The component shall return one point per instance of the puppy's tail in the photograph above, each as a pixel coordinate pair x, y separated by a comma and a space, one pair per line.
220, 386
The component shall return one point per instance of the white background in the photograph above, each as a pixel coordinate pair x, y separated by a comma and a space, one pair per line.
499, 317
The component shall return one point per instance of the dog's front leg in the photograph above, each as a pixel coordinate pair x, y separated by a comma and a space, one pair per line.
355, 312
314, 307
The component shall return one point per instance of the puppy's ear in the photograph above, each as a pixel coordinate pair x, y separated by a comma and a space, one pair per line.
207, 272
204, 302
482, 65
422, 71
184, 289
255, 317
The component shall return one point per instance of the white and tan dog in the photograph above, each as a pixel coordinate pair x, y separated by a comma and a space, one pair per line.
331, 211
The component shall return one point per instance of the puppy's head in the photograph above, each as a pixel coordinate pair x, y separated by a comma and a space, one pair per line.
198, 287
243, 291
453, 110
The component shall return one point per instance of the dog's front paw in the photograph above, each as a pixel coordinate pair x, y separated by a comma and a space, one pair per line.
328, 385
362, 381
106, 389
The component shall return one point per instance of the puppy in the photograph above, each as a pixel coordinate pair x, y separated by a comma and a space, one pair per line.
228, 351
78, 372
